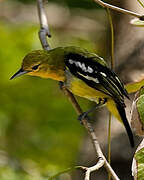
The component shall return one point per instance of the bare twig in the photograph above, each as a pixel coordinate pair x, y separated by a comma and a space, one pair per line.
87, 170
44, 31
121, 10
68, 170
99, 164
93, 137
139, 1
112, 67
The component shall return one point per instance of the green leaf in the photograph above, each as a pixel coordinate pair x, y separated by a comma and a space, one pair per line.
137, 118
134, 86
138, 162
140, 106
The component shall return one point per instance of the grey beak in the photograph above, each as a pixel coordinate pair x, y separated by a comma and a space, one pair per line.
18, 73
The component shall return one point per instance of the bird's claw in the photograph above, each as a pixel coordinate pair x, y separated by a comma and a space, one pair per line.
61, 85
83, 116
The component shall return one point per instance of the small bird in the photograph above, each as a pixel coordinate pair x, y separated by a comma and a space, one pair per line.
83, 73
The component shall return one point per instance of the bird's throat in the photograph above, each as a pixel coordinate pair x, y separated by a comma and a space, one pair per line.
58, 76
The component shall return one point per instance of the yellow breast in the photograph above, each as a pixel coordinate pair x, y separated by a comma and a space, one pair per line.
80, 88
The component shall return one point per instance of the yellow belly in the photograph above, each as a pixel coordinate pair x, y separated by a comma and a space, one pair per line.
79, 88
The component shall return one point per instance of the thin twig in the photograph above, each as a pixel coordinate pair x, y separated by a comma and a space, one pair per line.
91, 134
68, 170
99, 164
121, 10
109, 142
112, 38
44, 31
141, 3
86, 170
112, 67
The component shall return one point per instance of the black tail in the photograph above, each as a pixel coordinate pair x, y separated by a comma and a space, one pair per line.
126, 123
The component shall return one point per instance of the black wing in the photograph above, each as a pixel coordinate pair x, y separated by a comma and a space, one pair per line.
94, 74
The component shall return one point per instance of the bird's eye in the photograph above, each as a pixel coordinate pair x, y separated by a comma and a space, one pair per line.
35, 67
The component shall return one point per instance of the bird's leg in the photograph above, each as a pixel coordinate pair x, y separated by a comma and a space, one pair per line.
85, 114
61, 85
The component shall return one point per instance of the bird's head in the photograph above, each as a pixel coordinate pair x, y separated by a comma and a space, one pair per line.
40, 63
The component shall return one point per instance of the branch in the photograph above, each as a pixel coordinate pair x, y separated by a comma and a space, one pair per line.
44, 31
140, 3
99, 164
124, 11
93, 137
87, 170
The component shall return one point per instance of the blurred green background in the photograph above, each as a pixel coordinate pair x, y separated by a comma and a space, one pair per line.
39, 131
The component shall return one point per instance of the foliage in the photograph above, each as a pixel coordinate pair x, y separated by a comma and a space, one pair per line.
138, 162
39, 131
138, 112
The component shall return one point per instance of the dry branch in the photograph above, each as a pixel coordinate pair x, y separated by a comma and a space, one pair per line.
44, 29
43, 33
124, 11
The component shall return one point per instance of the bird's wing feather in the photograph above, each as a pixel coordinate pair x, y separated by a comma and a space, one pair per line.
93, 73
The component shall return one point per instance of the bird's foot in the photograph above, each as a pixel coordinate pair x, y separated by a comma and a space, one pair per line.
61, 85
83, 116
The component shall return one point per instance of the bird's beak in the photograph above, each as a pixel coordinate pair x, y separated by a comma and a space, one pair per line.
18, 73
